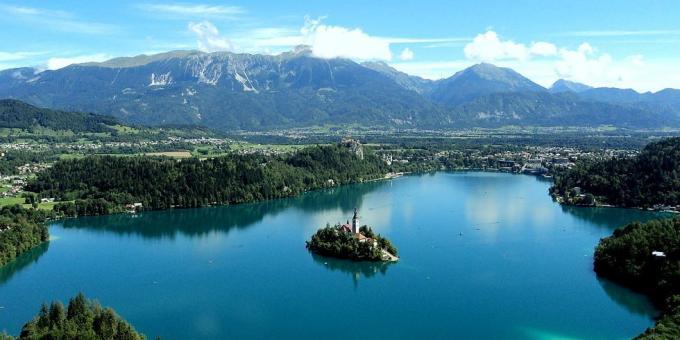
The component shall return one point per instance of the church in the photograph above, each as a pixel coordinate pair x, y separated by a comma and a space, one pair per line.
354, 229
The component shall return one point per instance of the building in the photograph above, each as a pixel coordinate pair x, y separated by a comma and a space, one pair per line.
354, 229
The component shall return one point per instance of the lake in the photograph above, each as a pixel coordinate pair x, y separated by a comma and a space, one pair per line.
483, 255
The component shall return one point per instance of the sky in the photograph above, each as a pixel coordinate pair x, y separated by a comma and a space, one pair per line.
625, 43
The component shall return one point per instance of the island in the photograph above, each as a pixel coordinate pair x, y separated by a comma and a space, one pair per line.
349, 241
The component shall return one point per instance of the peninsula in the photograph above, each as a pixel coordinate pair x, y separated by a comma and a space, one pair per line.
349, 241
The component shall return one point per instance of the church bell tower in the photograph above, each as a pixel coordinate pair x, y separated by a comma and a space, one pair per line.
355, 222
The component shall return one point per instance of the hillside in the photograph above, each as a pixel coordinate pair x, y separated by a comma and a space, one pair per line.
649, 179
17, 114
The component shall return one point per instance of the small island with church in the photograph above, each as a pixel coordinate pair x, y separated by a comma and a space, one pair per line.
349, 241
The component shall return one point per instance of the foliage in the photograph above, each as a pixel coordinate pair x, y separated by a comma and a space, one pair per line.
651, 178
626, 257
82, 319
20, 230
16, 114
102, 185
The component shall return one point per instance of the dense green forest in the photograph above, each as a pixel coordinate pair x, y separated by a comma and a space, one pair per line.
17, 114
333, 242
103, 185
20, 230
82, 319
626, 257
651, 178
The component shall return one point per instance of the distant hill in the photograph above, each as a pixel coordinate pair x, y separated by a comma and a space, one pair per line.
545, 109
17, 114
481, 79
562, 85
231, 91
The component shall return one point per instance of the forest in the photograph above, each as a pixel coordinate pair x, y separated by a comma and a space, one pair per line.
333, 242
82, 319
651, 178
106, 184
627, 258
17, 114
20, 230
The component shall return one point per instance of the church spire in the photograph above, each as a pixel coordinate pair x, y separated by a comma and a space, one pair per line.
355, 222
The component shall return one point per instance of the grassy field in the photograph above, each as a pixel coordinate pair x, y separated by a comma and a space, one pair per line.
173, 154
11, 201
8, 201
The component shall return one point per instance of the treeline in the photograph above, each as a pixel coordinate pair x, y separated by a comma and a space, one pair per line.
20, 230
17, 114
651, 178
82, 319
333, 242
626, 257
103, 185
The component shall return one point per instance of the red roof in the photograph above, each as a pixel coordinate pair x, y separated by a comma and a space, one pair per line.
346, 227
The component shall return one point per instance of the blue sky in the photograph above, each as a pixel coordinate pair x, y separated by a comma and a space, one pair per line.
603, 43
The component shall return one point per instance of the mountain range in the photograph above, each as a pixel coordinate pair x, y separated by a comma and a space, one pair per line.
230, 91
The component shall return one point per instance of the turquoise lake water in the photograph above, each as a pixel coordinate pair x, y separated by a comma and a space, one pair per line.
483, 255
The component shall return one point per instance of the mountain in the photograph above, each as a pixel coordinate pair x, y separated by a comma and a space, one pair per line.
481, 79
225, 90
232, 91
413, 83
562, 85
17, 114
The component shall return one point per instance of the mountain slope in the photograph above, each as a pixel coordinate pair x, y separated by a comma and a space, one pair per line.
407, 81
16, 114
229, 91
481, 79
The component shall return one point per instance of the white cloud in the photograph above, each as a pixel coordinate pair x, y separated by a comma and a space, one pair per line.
182, 10
57, 63
543, 49
208, 37
406, 54
336, 41
488, 47
15, 56
586, 64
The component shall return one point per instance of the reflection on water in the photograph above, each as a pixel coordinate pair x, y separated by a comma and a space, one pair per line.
354, 269
196, 222
611, 218
632, 301
24, 260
